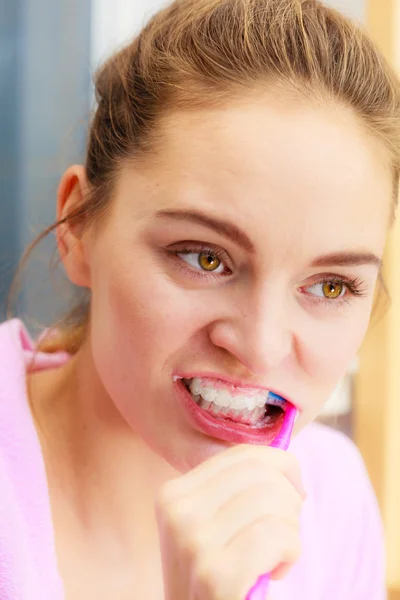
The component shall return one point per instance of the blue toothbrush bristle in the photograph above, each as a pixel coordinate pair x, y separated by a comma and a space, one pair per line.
276, 400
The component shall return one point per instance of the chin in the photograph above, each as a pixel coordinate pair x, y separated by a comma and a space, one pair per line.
190, 453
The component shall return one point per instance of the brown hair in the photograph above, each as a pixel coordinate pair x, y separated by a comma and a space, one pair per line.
196, 53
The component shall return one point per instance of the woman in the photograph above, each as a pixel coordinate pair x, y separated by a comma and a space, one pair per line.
228, 226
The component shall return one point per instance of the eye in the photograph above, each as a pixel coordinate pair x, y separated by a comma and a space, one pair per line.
206, 261
209, 262
330, 290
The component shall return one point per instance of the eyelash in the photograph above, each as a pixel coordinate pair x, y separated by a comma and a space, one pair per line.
201, 249
355, 287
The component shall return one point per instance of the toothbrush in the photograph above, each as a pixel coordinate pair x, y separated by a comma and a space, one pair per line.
281, 441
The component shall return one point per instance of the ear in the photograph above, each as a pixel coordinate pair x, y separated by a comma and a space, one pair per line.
72, 191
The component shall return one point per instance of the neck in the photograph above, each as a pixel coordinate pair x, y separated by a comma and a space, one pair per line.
106, 474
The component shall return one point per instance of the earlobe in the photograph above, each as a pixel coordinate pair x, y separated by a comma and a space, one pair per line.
71, 195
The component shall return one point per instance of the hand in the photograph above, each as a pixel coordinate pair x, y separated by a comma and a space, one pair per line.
228, 521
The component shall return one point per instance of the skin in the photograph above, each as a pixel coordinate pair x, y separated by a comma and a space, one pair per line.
124, 464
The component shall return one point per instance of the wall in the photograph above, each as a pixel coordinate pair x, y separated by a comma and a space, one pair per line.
356, 9
114, 23
9, 144
44, 83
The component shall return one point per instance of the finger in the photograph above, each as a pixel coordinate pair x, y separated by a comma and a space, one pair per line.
260, 549
281, 572
246, 456
279, 501
251, 490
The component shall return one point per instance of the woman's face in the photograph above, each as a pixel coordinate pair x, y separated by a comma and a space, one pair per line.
246, 250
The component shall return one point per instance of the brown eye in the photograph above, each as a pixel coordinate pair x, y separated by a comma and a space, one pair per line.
209, 262
332, 289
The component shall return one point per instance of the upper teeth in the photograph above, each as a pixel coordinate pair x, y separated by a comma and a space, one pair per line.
239, 399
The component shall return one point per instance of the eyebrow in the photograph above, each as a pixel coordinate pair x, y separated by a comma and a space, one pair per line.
222, 227
347, 259
231, 231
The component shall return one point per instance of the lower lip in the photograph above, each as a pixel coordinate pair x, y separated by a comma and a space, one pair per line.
224, 429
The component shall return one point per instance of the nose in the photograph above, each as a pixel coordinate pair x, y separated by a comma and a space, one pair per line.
257, 335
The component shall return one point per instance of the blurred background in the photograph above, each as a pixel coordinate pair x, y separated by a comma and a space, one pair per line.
48, 51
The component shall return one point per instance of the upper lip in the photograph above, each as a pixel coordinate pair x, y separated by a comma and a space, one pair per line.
236, 382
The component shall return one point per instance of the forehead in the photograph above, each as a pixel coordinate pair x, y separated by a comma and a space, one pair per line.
308, 169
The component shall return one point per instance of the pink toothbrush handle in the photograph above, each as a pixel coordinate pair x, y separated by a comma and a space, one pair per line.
282, 440
260, 589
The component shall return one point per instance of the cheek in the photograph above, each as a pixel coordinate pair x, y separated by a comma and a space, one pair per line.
330, 345
326, 350
146, 315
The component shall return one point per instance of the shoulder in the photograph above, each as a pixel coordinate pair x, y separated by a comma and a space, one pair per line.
331, 455
16, 427
344, 512
18, 354
12, 331
323, 437
14, 344
336, 477
340, 489
19, 445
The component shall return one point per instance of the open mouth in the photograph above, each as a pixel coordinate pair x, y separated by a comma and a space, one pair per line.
254, 409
